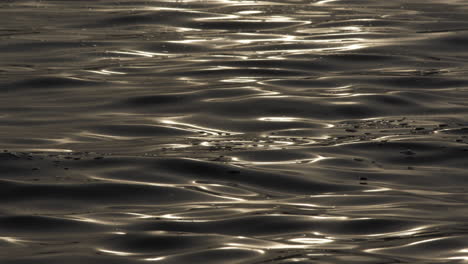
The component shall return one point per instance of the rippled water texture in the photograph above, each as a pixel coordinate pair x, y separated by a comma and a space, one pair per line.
230, 131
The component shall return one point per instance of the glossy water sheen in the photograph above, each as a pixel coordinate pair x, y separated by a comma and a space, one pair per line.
229, 131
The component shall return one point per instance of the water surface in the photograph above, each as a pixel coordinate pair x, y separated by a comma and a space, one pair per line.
230, 131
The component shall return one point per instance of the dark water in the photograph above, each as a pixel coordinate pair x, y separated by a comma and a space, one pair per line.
229, 131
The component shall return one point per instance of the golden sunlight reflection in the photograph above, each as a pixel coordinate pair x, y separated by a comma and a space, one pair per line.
102, 136
190, 81
250, 12
322, 2
371, 250
383, 189
106, 72
408, 232
175, 146
301, 242
171, 123
91, 220
423, 241
227, 246
236, 56
316, 159
294, 243
352, 28
141, 216
251, 40
236, 2
50, 150
259, 251
331, 218
12, 240
219, 188
179, 186
269, 246
239, 80
339, 48
136, 182
344, 103
141, 53
309, 241
117, 253
65, 140
163, 8
156, 259
188, 41
219, 68
464, 258
225, 17
177, 218
185, 29
279, 119
118, 233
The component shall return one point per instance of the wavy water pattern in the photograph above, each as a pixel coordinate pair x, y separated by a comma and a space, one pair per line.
232, 131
